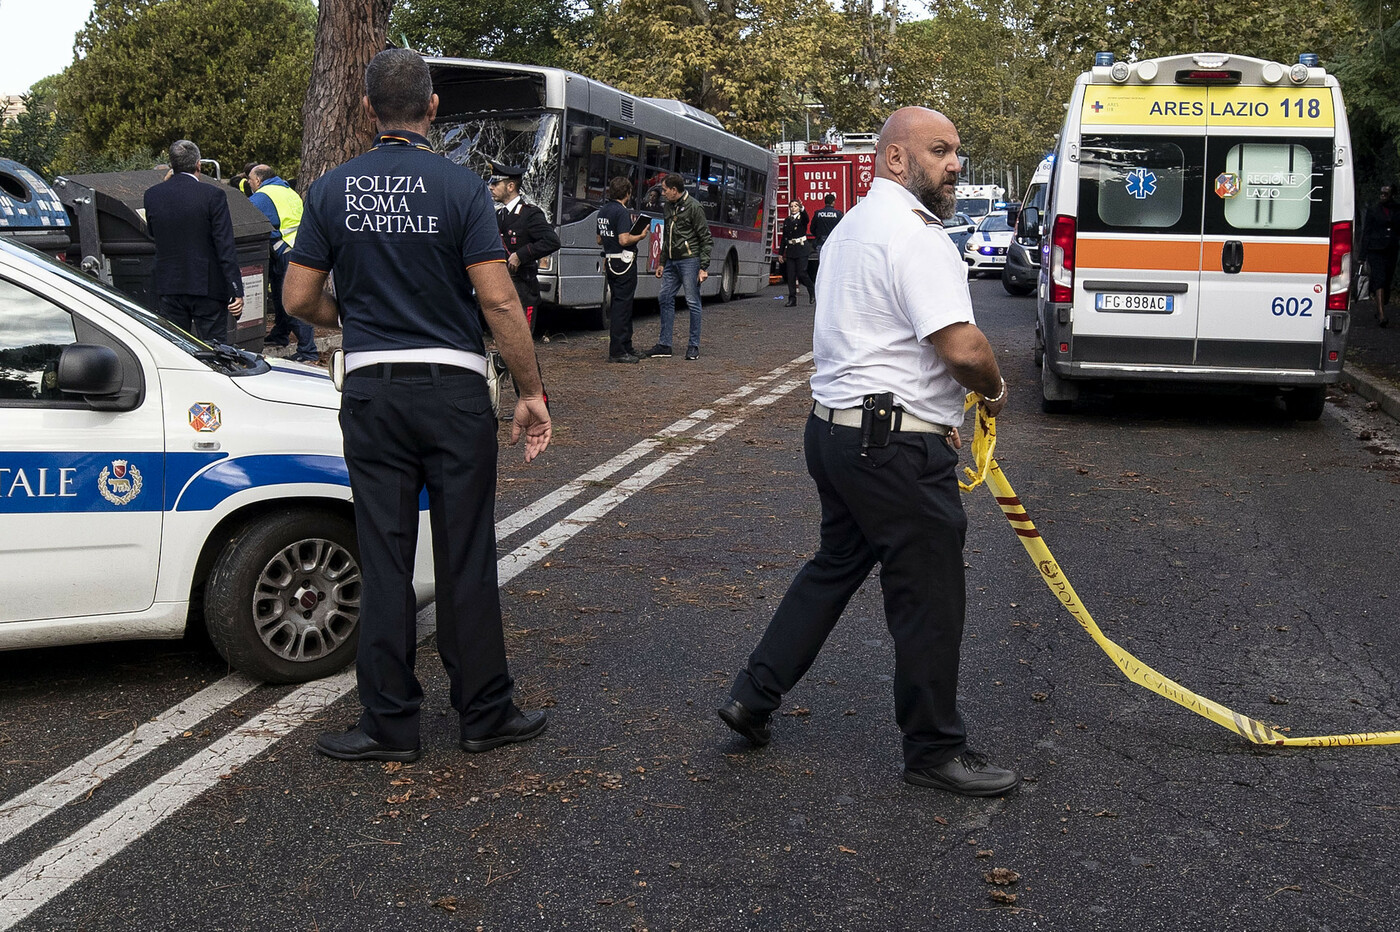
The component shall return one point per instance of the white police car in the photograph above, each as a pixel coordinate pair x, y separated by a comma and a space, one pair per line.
959, 228
985, 249
148, 481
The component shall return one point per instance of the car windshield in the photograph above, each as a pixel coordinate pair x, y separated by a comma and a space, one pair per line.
223, 358
995, 223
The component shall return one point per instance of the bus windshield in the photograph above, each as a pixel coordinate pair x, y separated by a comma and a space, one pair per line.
528, 139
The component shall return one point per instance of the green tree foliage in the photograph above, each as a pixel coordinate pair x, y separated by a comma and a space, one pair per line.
753, 63
1370, 79
229, 74
34, 137
491, 29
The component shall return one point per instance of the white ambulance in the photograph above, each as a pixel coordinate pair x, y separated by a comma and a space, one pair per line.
149, 481
1198, 228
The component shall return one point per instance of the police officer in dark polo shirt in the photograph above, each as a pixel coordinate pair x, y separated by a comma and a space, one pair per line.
526, 232
823, 222
409, 235
620, 264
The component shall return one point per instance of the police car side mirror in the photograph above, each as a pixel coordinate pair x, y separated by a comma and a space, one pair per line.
91, 371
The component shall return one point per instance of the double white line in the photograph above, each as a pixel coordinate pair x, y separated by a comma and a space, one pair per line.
50, 873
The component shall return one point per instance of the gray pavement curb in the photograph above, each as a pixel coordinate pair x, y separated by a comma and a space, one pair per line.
1374, 388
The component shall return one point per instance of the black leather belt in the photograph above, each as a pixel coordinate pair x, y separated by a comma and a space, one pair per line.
407, 370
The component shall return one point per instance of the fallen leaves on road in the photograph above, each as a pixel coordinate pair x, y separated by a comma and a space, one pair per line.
1001, 876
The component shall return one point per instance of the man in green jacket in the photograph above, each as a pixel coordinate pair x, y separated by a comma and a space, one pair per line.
685, 261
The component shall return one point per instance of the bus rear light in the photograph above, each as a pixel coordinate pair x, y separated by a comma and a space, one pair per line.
1339, 266
1062, 261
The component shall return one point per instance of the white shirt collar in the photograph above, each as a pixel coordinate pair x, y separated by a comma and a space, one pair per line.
510, 205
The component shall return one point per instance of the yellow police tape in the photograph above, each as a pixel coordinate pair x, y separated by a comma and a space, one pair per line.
983, 444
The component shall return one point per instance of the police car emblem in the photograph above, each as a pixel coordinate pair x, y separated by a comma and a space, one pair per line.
1227, 184
205, 417
120, 482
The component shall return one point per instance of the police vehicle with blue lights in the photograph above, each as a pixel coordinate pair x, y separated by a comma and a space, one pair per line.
985, 249
149, 481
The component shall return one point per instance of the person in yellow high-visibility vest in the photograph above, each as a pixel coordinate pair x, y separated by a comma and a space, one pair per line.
282, 207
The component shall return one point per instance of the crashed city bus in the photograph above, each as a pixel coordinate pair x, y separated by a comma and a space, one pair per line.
572, 134
1198, 228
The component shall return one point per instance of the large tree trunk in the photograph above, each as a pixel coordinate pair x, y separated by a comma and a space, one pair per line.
348, 34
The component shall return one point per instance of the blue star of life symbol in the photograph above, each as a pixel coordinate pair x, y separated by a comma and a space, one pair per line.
1142, 183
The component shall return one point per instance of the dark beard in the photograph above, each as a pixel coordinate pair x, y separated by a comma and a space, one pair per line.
933, 195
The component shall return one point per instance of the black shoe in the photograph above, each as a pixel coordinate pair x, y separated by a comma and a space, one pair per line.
520, 727
356, 745
756, 729
969, 774
625, 357
309, 358
811, 297
660, 351
692, 352
791, 301
276, 342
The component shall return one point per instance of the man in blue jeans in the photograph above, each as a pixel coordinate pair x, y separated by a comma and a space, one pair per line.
685, 262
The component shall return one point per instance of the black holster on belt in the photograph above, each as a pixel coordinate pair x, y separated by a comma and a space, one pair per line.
876, 417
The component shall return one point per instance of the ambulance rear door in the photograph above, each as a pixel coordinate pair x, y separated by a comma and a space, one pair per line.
1267, 221
1141, 157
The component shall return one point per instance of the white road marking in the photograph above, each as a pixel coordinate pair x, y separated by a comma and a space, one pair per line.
68, 862
55, 870
22, 811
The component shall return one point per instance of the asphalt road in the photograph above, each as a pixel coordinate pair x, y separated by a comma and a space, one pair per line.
1244, 555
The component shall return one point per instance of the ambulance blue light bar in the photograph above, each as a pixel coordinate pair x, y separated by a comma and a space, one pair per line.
1103, 59
1309, 58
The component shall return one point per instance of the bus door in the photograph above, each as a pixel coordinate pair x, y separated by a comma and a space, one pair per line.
1138, 249
1268, 215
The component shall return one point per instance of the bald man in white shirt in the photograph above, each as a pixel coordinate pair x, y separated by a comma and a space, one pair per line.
896, 348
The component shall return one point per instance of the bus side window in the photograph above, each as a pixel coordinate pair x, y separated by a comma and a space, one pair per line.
688, 167
585, 166
709, 187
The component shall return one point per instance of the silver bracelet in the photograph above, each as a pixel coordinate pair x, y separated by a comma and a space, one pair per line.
1001, 395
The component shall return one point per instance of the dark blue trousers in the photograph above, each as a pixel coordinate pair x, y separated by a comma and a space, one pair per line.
431, 428
899, 507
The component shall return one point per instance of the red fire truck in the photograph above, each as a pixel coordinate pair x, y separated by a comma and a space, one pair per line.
809, 171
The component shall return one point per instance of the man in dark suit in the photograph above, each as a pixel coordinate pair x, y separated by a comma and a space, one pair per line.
197, 275
526, 233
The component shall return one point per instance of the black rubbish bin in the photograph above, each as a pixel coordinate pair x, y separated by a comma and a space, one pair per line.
30, 210
108, 210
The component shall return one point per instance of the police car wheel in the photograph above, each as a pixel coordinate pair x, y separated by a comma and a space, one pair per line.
283, 600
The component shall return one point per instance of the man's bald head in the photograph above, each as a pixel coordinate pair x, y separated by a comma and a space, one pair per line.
919, 150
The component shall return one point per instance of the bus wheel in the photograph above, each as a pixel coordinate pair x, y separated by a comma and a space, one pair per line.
1305, 404
728, 279
600, 318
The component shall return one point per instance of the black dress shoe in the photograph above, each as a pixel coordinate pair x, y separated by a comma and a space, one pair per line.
791, 301
356, 745
811, 297
969, 774
751, 726
522, 726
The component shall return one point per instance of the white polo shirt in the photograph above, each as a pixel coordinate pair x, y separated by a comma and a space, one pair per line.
889, 278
